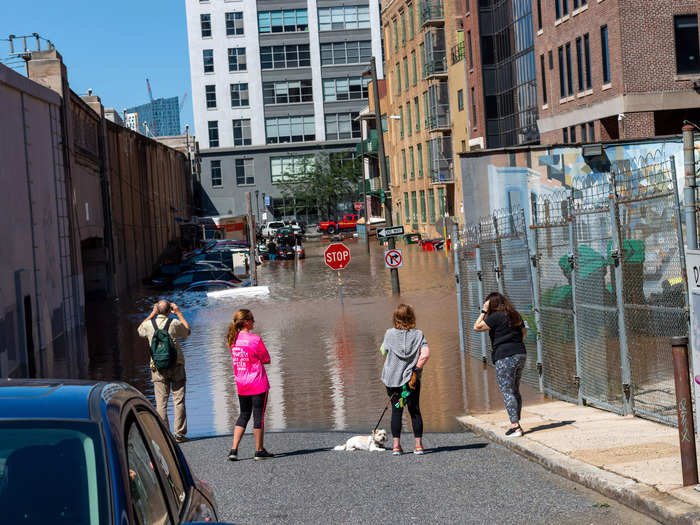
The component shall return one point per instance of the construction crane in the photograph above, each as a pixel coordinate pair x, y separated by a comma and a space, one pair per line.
154, 119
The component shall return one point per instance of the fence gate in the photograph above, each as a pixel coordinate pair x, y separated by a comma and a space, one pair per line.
516, 280
653, 286
552, 227
595, 301
471, 296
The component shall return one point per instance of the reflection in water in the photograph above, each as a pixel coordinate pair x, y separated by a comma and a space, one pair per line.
326, 365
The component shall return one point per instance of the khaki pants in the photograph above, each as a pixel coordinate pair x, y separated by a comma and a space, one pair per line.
163, 382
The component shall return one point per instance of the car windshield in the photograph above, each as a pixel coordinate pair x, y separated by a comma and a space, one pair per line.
52, 472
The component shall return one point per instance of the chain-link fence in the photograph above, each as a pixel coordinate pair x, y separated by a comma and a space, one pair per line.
599, 280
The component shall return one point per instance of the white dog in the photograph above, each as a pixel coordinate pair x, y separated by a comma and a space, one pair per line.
373, 442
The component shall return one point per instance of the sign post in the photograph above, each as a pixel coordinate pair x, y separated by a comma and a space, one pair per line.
337, 257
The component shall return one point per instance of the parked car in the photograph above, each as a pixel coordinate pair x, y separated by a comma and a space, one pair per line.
186, 279
270, 229
211, 286
349, 222
166, 274
86, 452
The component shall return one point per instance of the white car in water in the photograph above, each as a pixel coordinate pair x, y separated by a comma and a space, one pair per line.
270, 229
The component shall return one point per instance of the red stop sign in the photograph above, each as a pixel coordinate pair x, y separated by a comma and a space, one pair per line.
337, 256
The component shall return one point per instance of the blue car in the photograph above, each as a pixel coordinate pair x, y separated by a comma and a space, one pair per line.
89, 453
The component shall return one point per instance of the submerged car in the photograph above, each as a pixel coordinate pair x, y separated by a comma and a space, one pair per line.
87, 453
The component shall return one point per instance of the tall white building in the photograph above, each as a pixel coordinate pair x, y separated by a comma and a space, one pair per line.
273, 80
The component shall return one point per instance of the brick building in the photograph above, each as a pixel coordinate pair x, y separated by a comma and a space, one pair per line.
425, 108
615, 69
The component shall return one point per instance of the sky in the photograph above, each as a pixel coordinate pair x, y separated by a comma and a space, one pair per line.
111, 47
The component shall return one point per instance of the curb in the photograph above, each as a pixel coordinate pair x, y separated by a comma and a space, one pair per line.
638, 496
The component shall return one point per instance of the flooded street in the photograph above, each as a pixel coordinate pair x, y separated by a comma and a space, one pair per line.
325, 357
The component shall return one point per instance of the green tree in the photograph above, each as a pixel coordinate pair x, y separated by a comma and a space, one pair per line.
324, 180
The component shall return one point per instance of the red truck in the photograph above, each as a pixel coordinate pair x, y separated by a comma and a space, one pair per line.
349, 222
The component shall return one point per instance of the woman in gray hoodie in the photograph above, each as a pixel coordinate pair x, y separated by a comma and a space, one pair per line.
406, 351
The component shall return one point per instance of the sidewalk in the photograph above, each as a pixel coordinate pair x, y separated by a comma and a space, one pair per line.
631, 460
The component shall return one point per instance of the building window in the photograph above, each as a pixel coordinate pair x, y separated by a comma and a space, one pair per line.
351, 52
423, 217
236, 59
572, 133
287, 92
431, 205
687, 51
216, 180
414, 204
405, 73
469, 50
539, 15
564, 7
205, 23
403, 163
342, 126
396, 35
417, 108
385, 124
283, 57
210, 94
587, 60
213, 126
419, 150
473, 109
411, 22
281, 130
234, 23
605, 53
407, 208
414, 68
421, 51
557, 9
245, 176
241, 132
565, 133
283, 21
401, 121
290, 169
412, 161
460, 100
347, 17
208, 59
441, 201
544, 80
402, 14
349, 88
591, 132
579, 63
569, 72
409, 119
239, 95
584, 137
562, 73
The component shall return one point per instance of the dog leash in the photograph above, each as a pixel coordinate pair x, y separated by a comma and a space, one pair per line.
383, 412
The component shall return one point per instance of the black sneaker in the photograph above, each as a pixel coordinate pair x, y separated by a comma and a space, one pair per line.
514, 432
262, 454
181, 439
233, 455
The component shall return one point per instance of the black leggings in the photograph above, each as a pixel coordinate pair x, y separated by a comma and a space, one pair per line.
412, 402
254, 405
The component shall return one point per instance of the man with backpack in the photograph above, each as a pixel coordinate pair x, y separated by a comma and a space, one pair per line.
167, 361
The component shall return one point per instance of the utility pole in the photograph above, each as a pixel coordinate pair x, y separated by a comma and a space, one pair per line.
250, 219
364, 182
395, 287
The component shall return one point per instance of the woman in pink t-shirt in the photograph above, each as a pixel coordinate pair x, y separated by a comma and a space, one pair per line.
249, 355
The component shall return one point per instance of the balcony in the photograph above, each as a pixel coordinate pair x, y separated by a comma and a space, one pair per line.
438, 110
441, 165
457, 53
368, 146
435, 68
432, 13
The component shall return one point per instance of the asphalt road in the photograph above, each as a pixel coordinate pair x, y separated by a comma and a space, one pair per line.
462, 478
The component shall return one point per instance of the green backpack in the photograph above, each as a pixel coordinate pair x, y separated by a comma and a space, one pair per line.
163, 351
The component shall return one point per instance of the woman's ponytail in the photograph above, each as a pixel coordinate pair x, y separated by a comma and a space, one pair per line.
237, 324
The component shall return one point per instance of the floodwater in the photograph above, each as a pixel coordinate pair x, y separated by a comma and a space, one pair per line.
325, 361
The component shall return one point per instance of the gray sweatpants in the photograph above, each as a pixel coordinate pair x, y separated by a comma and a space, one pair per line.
508, 373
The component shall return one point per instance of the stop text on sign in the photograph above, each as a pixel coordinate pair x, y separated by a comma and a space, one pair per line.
336, 256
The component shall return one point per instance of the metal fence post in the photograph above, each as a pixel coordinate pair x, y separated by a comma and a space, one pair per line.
572, 264
480, 289
691, 228
617, 255
534, 279
456, 250
499, 259
679, 223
